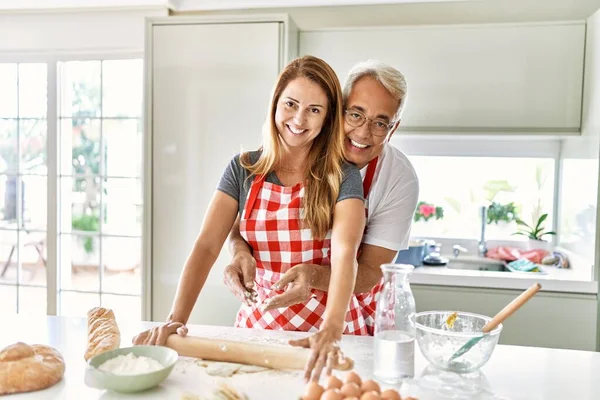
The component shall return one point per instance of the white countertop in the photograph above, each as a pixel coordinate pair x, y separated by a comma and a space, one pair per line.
521, 373
557, 279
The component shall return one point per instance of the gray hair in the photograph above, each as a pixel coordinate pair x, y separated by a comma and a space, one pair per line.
388, 76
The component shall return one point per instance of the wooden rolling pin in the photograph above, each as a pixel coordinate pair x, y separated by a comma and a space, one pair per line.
263, 355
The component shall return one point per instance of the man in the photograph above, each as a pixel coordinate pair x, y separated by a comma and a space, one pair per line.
374, 98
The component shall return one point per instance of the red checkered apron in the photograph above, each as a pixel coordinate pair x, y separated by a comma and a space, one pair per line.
271, 225
368, 300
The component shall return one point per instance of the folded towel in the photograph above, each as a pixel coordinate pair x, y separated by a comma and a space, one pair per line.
523, 265
506, 253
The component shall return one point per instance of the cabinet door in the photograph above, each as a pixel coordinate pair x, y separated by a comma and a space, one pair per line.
210, 93
492, 78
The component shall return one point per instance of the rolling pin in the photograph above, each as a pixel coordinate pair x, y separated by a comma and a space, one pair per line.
263, 355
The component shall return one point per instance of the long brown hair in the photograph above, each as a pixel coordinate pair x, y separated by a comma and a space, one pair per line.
324, 172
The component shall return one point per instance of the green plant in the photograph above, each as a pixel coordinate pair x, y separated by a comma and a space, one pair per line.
533, 233
497, 212
86, 223
427, 211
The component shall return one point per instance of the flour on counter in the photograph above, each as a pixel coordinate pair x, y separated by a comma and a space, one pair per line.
130, 364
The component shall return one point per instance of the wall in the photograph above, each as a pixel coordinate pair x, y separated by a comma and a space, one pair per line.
56, 33
578, 192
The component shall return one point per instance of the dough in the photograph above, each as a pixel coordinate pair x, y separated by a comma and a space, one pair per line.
226, 370
25, 368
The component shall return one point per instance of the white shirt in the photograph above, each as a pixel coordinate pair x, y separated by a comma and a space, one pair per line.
392, 200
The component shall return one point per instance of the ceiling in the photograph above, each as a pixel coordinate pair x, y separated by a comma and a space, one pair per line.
346, 12
457, 12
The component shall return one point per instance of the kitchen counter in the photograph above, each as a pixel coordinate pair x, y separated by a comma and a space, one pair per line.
557, 279
512, 372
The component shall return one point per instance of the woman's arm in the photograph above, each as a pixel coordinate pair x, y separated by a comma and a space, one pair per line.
217, 223
347, 230
346, 235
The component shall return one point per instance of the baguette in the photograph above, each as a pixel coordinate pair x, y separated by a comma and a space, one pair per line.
103, 332
25, 368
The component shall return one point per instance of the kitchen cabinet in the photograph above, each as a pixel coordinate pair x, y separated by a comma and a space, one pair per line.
555, 320
473, 79
208, 87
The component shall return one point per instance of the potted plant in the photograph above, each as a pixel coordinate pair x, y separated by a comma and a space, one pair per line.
535, 233
425, 211
497, 213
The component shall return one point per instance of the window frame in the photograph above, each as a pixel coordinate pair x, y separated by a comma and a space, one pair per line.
52, 147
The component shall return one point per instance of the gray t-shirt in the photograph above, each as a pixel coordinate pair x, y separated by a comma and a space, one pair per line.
236, 182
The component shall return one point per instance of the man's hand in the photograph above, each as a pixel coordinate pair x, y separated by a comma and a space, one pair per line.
297, 283
239, 277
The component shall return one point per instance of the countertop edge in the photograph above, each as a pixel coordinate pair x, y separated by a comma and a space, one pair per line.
460, 278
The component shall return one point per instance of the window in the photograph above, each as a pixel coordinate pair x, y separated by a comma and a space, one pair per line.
100, 194
97, 111
453, 190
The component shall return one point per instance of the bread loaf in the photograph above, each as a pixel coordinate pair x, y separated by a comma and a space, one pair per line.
103, 332
25, 368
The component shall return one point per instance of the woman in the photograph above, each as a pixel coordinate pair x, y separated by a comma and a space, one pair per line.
299, 202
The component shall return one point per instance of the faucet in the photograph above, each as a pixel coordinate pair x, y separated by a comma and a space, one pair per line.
482, 249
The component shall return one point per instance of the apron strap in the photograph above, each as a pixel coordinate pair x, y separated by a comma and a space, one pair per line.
254, 190
369, 180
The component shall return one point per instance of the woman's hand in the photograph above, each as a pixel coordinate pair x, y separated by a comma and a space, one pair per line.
325, 352
158, 335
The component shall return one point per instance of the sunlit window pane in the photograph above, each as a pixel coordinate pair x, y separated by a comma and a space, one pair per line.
461, 185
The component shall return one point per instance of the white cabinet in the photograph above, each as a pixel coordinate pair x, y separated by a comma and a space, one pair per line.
555, 320
504, 79
208, 85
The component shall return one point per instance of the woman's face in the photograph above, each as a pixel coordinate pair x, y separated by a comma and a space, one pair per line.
300, 113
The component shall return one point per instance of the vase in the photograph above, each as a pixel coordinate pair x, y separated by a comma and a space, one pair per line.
534, 244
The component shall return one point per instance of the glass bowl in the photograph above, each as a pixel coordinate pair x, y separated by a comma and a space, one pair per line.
438, 342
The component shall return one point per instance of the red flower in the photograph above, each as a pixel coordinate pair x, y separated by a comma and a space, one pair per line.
426, 210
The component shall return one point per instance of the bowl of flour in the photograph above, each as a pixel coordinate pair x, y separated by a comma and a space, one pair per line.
130, 369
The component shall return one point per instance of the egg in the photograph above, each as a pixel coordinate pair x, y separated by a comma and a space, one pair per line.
313, 391
353, 377
334, 383
390, 394
351, 389
370, 386
332, 394
370, 396
351, 398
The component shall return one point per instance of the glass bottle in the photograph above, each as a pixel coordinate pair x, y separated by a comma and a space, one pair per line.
394, 358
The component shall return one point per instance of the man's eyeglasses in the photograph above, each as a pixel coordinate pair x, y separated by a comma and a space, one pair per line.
379, 127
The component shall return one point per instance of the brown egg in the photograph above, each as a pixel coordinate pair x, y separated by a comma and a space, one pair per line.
313, 391
332, 394
370, 396
354, 378
370, 386
334, 383
390, 394
351, 389
351, 398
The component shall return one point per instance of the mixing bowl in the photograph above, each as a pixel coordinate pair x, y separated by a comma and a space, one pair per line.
438, 341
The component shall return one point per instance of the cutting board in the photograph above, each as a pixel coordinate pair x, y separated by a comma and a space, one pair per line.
260, 354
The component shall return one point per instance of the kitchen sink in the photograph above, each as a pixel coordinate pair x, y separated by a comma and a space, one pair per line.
477, 264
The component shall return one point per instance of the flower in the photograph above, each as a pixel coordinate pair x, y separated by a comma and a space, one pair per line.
426, 211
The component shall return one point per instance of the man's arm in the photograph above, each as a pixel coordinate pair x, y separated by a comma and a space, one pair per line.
304, 277
240, 273
368, 274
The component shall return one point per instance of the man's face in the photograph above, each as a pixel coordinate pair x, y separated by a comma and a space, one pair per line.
375, 102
